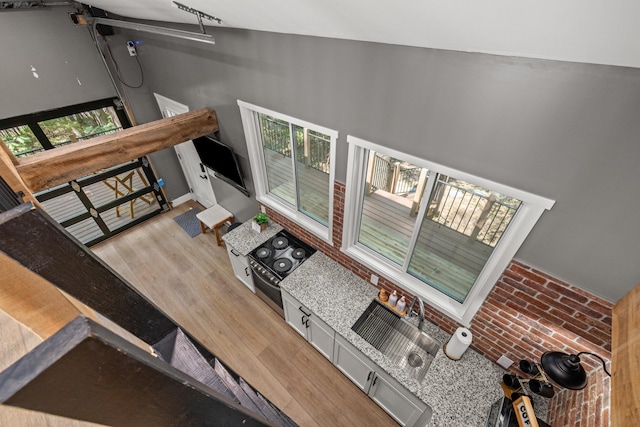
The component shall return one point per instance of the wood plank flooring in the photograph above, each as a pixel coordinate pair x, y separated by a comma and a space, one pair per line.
192, 281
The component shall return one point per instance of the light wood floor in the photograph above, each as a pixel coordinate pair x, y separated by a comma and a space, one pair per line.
192, 281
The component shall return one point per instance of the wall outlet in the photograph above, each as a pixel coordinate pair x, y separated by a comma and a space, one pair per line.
263, 209
505, 362
374, 279
131, 46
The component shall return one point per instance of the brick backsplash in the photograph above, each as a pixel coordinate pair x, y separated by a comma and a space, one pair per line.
527, 313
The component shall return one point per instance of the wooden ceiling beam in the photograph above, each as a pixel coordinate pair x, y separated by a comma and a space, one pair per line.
54, 167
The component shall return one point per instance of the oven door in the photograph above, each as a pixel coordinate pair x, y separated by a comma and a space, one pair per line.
268, 292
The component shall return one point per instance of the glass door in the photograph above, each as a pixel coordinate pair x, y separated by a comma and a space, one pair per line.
101, 204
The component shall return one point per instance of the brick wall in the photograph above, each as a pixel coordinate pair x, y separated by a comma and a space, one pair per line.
527, 313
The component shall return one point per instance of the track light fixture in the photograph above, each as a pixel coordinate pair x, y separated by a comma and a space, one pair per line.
187, 35
198, 14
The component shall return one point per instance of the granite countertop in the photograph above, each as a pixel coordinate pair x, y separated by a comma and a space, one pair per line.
460, 393
244, 239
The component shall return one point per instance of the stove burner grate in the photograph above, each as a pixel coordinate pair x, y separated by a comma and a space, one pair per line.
282, 264
299, 253
263, 253
280, 242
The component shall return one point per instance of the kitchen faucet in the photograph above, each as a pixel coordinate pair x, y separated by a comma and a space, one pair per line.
421, 308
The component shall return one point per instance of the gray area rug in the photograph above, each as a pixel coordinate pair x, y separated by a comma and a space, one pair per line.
189, 222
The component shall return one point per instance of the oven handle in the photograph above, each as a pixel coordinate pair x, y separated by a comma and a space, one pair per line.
265, 282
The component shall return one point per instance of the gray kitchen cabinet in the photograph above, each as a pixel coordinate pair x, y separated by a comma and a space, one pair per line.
398, 402
313, 329
351, 362
240, 266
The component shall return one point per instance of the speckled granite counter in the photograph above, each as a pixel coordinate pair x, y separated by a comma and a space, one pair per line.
244, 239
459, 392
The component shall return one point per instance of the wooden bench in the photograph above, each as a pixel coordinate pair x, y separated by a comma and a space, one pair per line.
213, 218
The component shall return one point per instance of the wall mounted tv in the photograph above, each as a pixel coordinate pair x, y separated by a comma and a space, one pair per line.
221, 159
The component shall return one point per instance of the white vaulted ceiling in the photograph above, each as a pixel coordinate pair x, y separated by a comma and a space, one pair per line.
591, 31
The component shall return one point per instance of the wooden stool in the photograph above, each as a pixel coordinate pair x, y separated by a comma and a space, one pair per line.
214, 218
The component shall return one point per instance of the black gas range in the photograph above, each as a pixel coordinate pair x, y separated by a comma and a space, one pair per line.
274, 260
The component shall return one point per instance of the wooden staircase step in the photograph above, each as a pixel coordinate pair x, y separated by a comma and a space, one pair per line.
182, 354
272, 413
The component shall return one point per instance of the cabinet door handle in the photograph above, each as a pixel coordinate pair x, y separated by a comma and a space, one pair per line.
234, 252
305, 313
302, 319
375, 380
246, 271
203, 176
306, 323
369, 376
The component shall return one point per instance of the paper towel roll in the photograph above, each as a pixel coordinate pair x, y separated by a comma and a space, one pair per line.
458, 343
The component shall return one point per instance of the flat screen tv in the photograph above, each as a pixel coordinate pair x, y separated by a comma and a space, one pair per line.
221, 159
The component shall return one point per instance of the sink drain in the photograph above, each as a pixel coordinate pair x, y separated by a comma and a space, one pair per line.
414, 360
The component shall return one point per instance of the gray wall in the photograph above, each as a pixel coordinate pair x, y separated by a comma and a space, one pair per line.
564, 131
69, 68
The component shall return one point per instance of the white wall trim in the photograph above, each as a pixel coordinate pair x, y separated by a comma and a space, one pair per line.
182, 199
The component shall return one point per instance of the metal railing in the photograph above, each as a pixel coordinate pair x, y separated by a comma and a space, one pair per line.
481, 217
394, 177
88, 136
313, 151
317, 153
407, 181
69, 141
275, 135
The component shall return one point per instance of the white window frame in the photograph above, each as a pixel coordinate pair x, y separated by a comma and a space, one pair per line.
532, 208
251, 126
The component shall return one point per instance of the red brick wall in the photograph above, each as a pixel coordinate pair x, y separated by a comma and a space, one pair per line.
527, 313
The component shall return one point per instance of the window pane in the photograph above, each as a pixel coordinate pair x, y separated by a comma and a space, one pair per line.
79, 126
313, 166
86, 230
20, 140
64, 207
276, 145
460, 230
120, 216
391, 203
117, 186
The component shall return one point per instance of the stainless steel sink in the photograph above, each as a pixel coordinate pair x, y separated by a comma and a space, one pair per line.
405, 345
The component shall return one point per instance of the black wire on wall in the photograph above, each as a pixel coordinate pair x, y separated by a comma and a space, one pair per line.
115, 63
